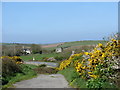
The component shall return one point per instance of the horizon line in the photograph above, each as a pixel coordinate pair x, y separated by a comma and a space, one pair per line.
49, 43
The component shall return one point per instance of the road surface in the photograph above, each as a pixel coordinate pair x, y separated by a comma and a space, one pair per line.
44, 81
52, 64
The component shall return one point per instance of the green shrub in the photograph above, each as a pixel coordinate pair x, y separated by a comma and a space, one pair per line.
45, 70
78, 49
25, 68
59, 58
65, 54
44, 58
42, 65
27, 73
9, 68
99, 83
36, 48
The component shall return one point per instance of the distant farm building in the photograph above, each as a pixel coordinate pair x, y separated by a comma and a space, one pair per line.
26, 51
58, 50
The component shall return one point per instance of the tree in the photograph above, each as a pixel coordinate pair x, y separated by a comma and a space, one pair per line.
11, 50
36, 48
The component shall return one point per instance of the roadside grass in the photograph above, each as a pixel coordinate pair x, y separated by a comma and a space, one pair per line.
28, 73
73, 78
38, 56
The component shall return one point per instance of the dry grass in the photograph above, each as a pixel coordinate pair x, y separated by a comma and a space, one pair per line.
45, 70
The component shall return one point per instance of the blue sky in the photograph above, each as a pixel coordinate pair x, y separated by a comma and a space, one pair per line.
50, 22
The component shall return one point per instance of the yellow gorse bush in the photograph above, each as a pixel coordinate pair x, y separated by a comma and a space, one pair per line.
64, 64
96, 63
17, 59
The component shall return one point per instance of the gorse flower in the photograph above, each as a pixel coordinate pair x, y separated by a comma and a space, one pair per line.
17, 59
98, 62
94, 76
64, 64
100, 45
86, 53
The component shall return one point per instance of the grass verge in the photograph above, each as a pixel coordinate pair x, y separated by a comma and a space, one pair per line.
73, 78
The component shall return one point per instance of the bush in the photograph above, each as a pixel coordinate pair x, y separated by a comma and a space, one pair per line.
79, 49
44, 70
66, 53
12, 50
42, 65
101, 62
9, 68
99, 83
27, 73
59, 58
36, 48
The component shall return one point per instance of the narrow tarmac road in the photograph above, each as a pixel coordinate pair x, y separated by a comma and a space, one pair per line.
44, 81
52, 64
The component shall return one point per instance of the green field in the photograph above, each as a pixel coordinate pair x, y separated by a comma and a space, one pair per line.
38, 56
78, 43
66, 44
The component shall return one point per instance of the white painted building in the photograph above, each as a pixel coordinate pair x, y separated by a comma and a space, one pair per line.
58, 50
27, 51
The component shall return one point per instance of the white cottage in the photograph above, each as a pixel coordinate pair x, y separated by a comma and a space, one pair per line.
58, 50
27, 51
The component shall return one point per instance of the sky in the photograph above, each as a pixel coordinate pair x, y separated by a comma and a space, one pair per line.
53, 22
